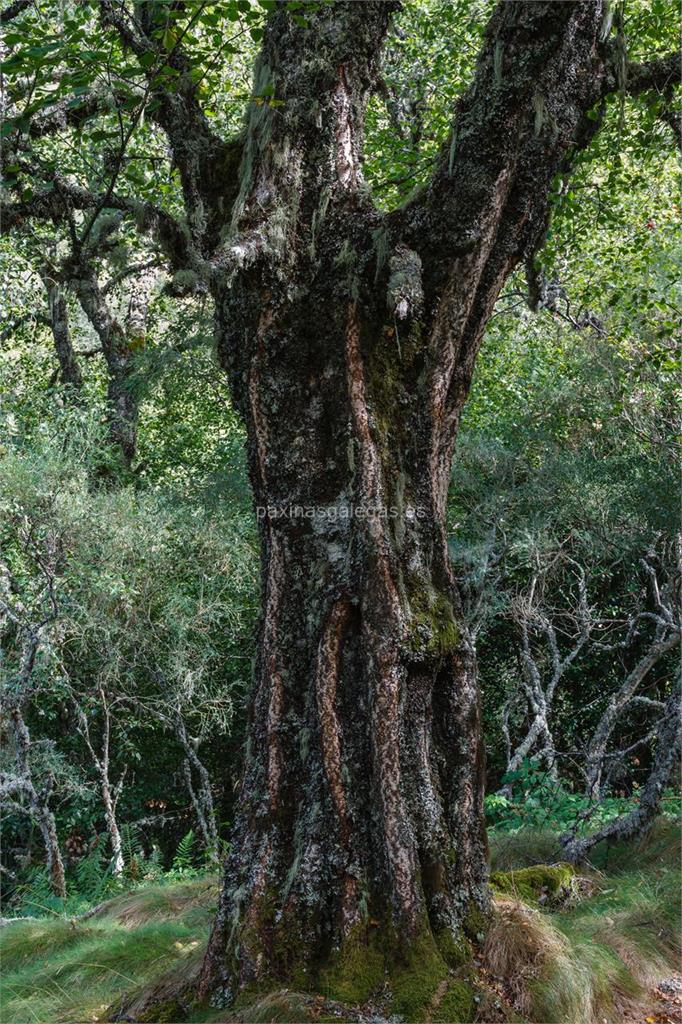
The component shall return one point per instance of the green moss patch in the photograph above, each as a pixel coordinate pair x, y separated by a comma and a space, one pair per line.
405, 974
414, 981
543, 884
358, 971
457, 1006
434, 626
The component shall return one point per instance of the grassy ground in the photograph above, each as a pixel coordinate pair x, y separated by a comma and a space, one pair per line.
591, 960
602, 954
55, 970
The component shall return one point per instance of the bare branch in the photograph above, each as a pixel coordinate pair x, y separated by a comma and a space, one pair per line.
639, 820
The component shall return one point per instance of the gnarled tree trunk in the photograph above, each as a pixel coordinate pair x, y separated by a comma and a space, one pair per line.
120, 342
350, 339
362, 797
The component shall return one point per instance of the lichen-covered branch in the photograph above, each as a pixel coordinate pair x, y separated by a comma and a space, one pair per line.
69, 369
57, 200
535, 626
19, 788
665, 639
638, 821
101, 760
208, 165
659, 75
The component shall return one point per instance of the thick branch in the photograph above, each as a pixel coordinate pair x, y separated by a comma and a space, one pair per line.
56, 203
208, 165
661, 75
66, 114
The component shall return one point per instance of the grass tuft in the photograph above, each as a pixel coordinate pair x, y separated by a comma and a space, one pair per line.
597, 959
58, 971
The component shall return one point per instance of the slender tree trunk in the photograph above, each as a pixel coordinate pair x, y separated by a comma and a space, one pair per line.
38, 802
109, 803
349, 338
102, 762
202, 796
539, 730
69, 371
48, 830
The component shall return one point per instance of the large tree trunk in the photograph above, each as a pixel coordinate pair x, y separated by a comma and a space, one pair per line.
362, 798
350, 338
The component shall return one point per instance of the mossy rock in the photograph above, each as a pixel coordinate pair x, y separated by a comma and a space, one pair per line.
543, 884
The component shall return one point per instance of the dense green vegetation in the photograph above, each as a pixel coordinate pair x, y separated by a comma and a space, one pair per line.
129, 585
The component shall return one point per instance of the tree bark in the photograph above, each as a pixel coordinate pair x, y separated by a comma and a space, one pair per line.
349, 338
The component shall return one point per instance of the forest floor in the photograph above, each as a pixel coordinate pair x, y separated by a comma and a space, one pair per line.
665, 1006
608, 953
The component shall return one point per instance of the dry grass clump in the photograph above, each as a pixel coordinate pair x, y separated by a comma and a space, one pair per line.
590, 963
522, 949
